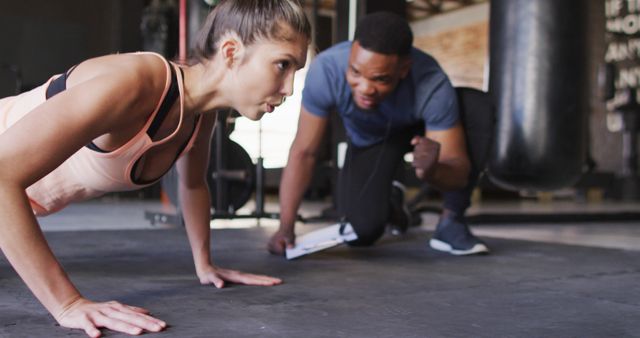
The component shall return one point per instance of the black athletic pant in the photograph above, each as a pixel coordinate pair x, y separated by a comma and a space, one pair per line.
364, 185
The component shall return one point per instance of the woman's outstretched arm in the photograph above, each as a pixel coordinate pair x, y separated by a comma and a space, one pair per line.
30, 149
195, 203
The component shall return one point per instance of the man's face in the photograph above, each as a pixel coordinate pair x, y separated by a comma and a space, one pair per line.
372, 76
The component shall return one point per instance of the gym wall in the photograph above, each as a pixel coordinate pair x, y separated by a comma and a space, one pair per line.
459, 41
47, 37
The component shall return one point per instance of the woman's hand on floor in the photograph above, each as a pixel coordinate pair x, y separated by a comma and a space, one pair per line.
89, 316
218, 276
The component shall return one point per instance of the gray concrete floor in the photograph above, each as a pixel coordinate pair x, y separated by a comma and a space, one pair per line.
550, 280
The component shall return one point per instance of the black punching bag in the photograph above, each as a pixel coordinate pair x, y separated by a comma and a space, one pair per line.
539, 83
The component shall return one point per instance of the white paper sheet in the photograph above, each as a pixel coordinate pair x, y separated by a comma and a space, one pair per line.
321, 239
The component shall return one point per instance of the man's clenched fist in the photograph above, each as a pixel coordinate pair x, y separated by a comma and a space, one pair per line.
425, 156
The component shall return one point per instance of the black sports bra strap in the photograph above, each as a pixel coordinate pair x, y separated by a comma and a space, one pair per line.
172, 95
59, 84
182, 147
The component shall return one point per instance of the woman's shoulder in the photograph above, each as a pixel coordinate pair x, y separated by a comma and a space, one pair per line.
140, 74
141, 65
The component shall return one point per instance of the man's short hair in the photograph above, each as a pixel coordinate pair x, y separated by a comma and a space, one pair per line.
384, 33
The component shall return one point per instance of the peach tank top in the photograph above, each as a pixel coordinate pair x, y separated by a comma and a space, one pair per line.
89, 173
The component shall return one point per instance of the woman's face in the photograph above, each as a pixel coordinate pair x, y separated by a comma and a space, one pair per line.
264, 76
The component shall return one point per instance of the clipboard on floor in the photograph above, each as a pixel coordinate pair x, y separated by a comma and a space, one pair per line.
322, 239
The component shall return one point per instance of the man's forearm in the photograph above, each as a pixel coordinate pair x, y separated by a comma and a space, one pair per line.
295, 180
450, 175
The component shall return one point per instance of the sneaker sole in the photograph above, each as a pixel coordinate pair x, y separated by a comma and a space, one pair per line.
445, 247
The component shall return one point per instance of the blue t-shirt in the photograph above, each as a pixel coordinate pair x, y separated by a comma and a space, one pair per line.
424, 95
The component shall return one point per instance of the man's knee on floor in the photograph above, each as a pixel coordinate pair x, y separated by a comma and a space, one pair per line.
367, 236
